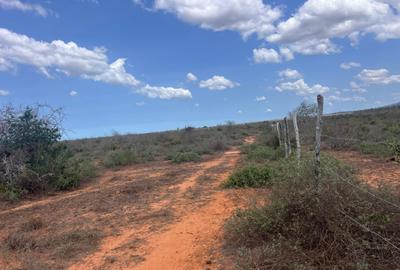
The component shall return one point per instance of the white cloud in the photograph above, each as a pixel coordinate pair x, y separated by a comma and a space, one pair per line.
191, 77
25, 7
240, 112
72, 60
67, 58
309, 30
269, 110
350, 65
290, 74
316, 22
4, 93
73, 93
355, 87
301, 88
264, 55
140, 103
218, 83
262, 98
378, 76
164, 92
286, 53
244, 16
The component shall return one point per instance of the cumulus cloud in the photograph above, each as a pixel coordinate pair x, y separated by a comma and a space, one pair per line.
269, 110
191, 77
67, 58
164, 92
262, 98
73, 93
72, 60
301, 88
378, 76
316, 22
264, 55
310, 30
350, 65
25, 7
355, 87
4, 93
218, 83
140, 103
244, 16
290, 74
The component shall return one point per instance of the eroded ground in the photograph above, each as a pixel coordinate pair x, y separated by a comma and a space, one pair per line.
154, 216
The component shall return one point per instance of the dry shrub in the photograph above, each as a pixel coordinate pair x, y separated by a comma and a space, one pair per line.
302, 228
33, 224
19, 241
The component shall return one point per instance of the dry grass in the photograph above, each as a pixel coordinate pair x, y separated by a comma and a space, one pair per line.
302, 228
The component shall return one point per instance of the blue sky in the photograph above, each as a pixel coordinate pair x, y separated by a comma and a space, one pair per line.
123, 65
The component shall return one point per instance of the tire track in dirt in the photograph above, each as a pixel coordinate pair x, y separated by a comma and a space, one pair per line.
94, 187
183, 244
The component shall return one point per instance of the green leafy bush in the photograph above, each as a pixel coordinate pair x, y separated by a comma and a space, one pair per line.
120, 157
31, 157
250, 176
185, 157
261, 153
394, 146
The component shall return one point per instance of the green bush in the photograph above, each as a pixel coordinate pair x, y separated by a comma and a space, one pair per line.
32, 158
394, 146
185, 157
260, 153
381, 150
74, 172
250, 176
302, 227
120, 157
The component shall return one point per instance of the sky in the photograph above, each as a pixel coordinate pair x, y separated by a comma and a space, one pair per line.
134, 66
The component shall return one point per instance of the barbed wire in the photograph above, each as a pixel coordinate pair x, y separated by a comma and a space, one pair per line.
363, 190
355, 140
371, 194
369, 230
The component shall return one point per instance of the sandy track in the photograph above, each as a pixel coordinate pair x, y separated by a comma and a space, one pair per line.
156, 216
183, 244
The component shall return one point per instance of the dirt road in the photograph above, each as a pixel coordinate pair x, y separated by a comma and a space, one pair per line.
154, 216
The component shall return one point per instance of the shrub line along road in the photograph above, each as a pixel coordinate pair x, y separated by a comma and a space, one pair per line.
153, 216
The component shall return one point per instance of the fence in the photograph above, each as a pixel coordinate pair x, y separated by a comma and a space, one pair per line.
319, 137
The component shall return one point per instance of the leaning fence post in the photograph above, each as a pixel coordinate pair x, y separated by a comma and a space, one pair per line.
320, 111
278, 130
296, 130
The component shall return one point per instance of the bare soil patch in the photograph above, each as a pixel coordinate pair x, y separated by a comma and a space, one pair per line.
153, 216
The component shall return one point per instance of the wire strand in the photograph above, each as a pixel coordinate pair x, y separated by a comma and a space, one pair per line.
369, 230
363, 190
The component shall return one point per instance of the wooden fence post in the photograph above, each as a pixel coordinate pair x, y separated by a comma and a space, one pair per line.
278, 130
288, 151
296, 130
285, 138
320, 111
288, 137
